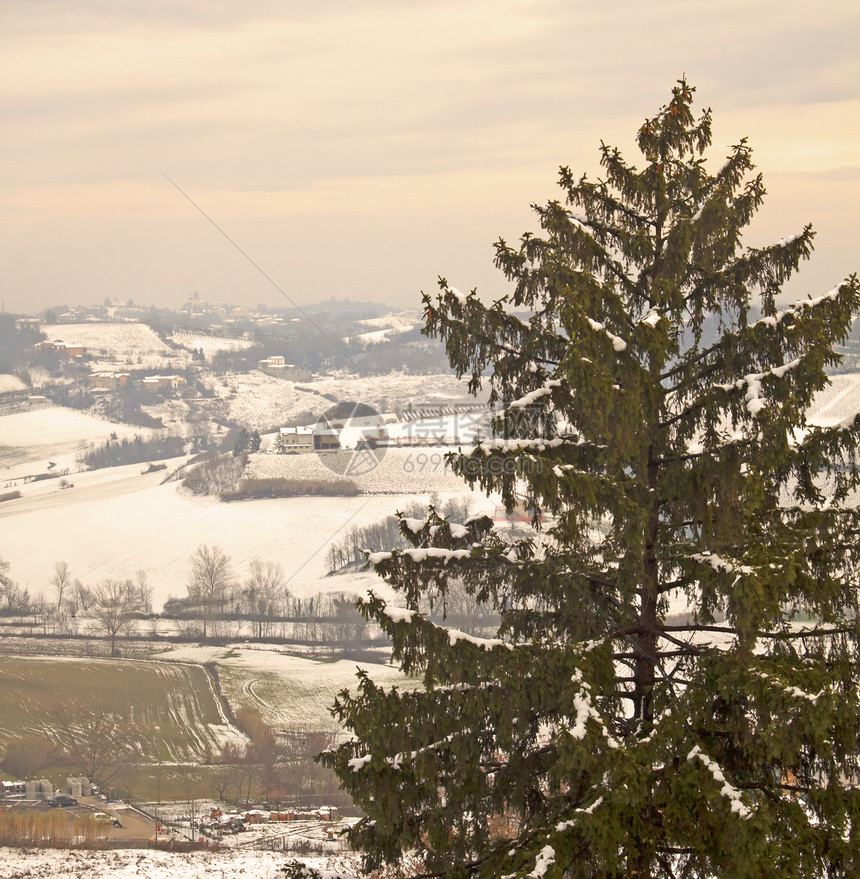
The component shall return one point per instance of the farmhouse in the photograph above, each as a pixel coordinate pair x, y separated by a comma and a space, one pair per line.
108, 381
163, 382
326, 439
307, 439
276, 367
70, 352
296, 439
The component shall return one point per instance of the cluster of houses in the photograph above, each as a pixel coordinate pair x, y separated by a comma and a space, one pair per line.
363, 432
115, 381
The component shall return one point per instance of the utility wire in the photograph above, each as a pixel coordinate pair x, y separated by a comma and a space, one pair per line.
260, 269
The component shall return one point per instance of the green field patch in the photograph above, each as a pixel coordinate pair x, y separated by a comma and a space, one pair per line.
169, 708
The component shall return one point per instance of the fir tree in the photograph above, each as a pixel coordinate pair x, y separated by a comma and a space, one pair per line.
673, 690
243, 441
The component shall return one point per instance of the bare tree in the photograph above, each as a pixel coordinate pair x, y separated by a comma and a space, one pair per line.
260, 595
112, 609
96, 739
5, 579
84, 596
298, 746
234, 770
460, 609
26, 755
143, 592
12, 596
190, 778
210, 582
262, 751
61, 580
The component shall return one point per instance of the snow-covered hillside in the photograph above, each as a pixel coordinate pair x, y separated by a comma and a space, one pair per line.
53, 433
208, 344
10, 383
119, 342
289, 691
260, 401
386, 327
116, 522
385, 471
838, 401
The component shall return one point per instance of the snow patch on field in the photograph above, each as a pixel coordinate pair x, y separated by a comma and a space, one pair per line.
210, 345
11, 383
155, 864
390, 471
838, 401
386, 327
108, 527
289, 691
48, 433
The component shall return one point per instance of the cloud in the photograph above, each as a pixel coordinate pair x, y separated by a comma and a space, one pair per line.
275, 112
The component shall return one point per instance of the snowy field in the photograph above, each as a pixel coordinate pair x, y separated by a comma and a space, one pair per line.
289, 691
838, 401
150, 864
261, 401
116, 522
386, 327
210, 345
419, 470
119, 342
10, 383
52, 433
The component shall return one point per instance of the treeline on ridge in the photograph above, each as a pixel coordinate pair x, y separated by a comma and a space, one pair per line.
116, 452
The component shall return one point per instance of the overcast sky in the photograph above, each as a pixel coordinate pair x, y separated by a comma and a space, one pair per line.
363, 149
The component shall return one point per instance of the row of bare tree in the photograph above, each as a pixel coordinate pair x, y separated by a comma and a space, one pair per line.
215, 596
111, 605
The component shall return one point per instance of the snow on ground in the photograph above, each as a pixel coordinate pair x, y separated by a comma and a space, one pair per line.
113, 527
11, 383
377, 336
155, 864
401, 320
389, 393
838, 401
46, 434
118, 341
386, 326
419, 470
210, 345
260, 401
289, 691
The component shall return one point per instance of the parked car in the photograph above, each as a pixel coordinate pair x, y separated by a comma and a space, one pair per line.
62, 800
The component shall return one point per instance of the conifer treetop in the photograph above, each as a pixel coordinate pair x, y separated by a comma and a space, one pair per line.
672, 687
